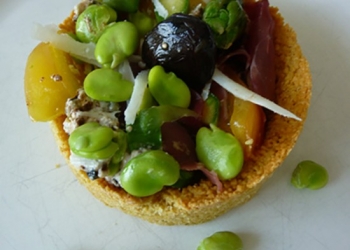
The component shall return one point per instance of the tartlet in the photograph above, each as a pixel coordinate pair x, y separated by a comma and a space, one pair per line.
203, 202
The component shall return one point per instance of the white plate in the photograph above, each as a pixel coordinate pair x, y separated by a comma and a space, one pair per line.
43, 207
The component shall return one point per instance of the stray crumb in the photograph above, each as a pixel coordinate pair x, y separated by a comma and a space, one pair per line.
128, 128
249, 142
197, 11
57, 165
73, 69
56, 77
42, 79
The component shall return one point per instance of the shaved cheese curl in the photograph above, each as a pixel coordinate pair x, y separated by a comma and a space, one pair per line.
245, 94
136, 97
160, 9
126, 71
49, 33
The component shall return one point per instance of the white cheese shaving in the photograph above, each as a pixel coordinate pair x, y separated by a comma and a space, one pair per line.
206, 91
160, 9
49, 33
126, 71
245, 94
133, 107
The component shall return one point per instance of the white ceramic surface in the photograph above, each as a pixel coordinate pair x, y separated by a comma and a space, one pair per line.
42, 206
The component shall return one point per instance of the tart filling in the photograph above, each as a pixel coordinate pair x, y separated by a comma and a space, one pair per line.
169, 105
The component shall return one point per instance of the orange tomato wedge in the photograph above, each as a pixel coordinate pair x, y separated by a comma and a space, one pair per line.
247, 122
51, 77
247, 125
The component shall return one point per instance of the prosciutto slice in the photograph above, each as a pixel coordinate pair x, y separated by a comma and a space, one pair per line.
211, 175
178, 142
259, 44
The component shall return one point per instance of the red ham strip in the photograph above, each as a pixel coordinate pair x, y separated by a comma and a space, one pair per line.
211, 175
259, 44
197, 102
177, 141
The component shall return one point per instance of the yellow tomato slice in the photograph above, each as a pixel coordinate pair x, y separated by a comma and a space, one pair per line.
247, 121
247, 125
51, 77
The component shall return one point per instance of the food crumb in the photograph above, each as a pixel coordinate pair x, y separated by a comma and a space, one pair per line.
56, 77
57, 165
249, 142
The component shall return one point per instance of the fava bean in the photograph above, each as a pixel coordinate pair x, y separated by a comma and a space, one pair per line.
92, 22
114, 164
147, 100
94, 141
128, 6
219, 151
149, 172
167, 88
118, 42
309, 174
91, 137
142, 21
222, 241
107, 85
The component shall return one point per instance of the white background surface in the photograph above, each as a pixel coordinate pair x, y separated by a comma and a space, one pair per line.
44, 207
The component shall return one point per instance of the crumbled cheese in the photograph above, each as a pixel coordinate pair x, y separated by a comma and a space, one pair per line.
82, 109
90, 165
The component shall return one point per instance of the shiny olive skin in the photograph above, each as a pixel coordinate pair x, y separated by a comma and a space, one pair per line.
184, 45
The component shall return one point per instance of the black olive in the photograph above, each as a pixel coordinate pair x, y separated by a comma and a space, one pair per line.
184, 45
